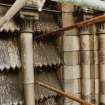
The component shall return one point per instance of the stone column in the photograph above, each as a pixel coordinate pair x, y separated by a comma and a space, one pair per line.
86, 61
95, 67
101, 36
26, 42
71, 56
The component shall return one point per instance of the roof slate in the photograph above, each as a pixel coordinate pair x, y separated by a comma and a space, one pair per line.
48, 77
10, 92
45, 54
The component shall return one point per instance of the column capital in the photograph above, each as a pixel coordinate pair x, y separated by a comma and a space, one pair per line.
28, 20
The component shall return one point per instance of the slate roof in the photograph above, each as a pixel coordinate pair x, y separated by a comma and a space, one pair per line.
11, 88
48, 77
45, 54
10, 92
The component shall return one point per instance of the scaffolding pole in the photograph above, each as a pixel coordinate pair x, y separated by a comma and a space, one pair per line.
61, 93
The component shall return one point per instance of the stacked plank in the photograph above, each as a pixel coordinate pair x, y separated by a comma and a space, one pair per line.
71, 53
101, 36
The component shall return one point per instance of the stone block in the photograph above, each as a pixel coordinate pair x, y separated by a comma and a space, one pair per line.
72, 72
71, 43
72, 58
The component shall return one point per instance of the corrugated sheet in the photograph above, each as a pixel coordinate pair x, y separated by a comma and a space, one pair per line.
10, 25
10, 92
50, 78
45, 54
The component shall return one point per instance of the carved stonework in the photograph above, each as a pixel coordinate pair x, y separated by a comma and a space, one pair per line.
28, 20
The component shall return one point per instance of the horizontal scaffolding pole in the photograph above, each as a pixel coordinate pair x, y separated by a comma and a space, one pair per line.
88, 22
61, 93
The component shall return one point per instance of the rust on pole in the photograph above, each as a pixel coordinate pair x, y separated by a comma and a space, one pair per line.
62, 93
91, 21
